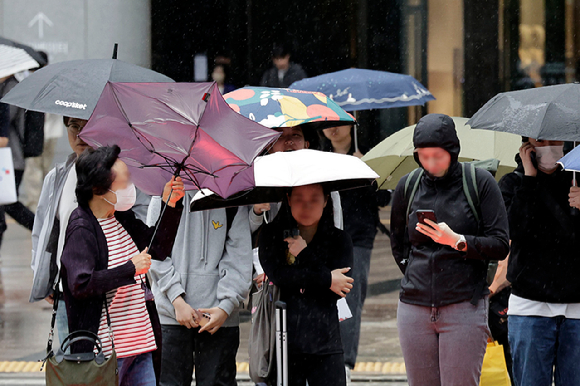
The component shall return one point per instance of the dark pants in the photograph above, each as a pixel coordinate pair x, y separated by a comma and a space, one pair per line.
318, 370
17, 211
214, 356
350, 328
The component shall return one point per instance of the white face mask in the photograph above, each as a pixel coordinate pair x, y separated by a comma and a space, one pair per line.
125, 198
548, 156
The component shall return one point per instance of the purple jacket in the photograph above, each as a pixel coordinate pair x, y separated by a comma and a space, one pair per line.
85, 257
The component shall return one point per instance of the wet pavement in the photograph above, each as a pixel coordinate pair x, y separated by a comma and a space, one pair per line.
24, 326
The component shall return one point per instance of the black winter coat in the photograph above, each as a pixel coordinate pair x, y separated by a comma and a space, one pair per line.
313, 325
544, 261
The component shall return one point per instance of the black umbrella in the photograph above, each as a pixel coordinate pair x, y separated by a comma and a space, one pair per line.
72, 88
548, 113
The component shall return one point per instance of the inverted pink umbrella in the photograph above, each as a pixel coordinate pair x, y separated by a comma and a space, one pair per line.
185, 129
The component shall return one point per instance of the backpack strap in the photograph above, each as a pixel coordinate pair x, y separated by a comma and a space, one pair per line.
470, 189
230, 214
411, 185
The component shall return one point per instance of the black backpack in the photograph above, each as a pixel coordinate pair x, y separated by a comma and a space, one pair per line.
469, 189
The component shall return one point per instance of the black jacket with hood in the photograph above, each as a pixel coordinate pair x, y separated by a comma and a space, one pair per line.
437, 275
544, 262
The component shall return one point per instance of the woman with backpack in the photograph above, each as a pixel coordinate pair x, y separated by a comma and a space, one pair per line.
308, 258
448, 221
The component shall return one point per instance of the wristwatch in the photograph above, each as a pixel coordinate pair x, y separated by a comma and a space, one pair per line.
461, 244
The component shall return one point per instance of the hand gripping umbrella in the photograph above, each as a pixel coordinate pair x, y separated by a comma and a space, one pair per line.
181, 129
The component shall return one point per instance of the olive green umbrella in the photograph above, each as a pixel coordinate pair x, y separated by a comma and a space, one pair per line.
393, 157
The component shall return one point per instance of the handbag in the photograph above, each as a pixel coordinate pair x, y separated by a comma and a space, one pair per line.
86, 368
494, 370
7, 181
262, 342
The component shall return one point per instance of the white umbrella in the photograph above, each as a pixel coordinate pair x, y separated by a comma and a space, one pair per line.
14, 60
275, 172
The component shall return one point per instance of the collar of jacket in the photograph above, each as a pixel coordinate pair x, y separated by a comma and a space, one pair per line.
452, 175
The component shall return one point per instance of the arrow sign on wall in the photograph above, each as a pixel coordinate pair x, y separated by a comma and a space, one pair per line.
40, 18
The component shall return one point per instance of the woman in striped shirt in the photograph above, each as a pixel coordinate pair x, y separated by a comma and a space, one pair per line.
106, 257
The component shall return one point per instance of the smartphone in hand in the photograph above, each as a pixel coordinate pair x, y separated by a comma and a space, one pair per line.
423, 214
202, 318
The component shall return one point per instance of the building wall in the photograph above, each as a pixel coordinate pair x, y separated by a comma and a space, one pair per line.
81, 29
444, 56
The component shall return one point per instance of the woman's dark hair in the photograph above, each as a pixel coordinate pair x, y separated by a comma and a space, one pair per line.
327, 219
94, 174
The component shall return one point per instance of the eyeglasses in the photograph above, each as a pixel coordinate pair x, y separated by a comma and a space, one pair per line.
75, 128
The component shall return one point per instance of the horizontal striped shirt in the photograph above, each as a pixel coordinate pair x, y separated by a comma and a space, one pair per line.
132, 331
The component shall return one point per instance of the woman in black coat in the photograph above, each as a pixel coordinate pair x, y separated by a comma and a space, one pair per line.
309, 269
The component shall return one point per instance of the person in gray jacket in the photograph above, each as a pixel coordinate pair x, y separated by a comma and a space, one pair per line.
57, 201
198, 292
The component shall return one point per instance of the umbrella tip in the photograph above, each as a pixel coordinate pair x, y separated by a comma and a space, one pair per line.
115, 47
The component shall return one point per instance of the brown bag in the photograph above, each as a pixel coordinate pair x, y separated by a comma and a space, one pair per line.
85, 368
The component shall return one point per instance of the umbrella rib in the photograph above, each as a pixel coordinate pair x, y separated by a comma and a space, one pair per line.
134, 131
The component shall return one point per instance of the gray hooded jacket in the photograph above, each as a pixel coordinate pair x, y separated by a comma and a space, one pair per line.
209, 266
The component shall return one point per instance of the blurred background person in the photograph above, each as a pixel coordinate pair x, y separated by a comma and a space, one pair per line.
219, 75
16, 129
284, 72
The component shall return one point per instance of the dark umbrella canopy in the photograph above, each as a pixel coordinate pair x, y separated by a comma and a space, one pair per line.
72, 88
179, 128
548, 113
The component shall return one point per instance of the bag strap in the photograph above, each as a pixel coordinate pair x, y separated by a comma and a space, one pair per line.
53, 320
56, 298
413, 180
230, 215
111, 336
470, 189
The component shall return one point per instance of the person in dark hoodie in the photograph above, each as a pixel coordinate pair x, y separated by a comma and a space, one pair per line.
310, 269
284, 72
544, 306
442, 313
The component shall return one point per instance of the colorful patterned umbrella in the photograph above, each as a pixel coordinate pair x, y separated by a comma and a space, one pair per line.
164, 129
280, 107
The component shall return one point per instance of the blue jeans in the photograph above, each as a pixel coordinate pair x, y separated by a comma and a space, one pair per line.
62, 322
541, 346
136, 370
